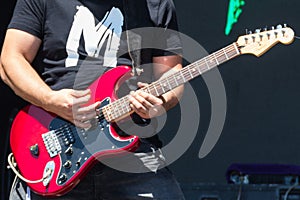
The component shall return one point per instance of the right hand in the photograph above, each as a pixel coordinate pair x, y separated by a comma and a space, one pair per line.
69, 104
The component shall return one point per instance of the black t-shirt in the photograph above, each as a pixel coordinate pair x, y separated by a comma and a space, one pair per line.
81, 39
89, 33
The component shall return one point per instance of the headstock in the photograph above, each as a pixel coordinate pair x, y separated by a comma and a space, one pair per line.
259, 42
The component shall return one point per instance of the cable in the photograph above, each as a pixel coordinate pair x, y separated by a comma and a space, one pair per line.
289, 190
240, 187
13, 164
13, 185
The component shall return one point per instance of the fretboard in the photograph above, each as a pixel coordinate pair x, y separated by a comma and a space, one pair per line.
120, 108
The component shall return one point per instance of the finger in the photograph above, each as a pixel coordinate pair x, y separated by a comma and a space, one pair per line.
77, 101
80, 93
86, 116
141, 85
89, 108
140, 112
82, 124
153, 100
87, 112
140, 100
135, 104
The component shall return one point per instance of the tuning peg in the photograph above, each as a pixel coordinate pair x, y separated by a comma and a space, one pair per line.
279, 26
257, 30
284, 25
266, 28
273, 28
248, 32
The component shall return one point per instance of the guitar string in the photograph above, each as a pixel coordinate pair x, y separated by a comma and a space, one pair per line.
184, 72
217, 54
123, 102
187, 71
159, 84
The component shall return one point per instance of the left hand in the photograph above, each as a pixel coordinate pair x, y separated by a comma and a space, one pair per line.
144, 104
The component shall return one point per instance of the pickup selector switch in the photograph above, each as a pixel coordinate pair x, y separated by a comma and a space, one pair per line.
78, 162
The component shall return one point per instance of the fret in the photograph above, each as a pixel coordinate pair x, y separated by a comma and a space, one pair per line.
146, 89
221, 57
194, 71
170, 87
206, 63
231, 53
174, 76
190, 73
203, 66
212, 61
127, 105
199, 70
179, 79
153, 91
124, 106
157, 94
161, 86
118, 108
104, 113
149, 90
225, 54
166, 85
180, 72
108, 112
216, 58
237, 50
115, 110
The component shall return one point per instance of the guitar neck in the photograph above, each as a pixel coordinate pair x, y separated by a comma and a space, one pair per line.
120, 108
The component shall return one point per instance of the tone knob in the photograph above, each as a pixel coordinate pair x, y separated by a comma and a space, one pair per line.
67, 164
62, 178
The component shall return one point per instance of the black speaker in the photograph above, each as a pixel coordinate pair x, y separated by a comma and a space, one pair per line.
213, 191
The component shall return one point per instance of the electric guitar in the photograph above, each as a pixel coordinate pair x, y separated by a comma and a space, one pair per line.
53, 155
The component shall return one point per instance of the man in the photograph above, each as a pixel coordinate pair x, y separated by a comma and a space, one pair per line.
54, 49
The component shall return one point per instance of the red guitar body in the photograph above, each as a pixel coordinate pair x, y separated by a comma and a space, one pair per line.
42, 142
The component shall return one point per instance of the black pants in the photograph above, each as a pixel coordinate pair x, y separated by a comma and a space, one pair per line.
105, 183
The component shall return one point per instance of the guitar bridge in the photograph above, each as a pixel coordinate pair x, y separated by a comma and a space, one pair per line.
52, 144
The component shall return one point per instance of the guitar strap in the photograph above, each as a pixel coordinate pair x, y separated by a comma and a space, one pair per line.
134, 40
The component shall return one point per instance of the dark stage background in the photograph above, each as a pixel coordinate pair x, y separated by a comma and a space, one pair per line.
263, 96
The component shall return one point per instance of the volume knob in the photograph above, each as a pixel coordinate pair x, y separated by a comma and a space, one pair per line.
69, 150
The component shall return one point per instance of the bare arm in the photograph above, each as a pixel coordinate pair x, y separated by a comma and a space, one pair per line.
19, 50
147, 105
162, 67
